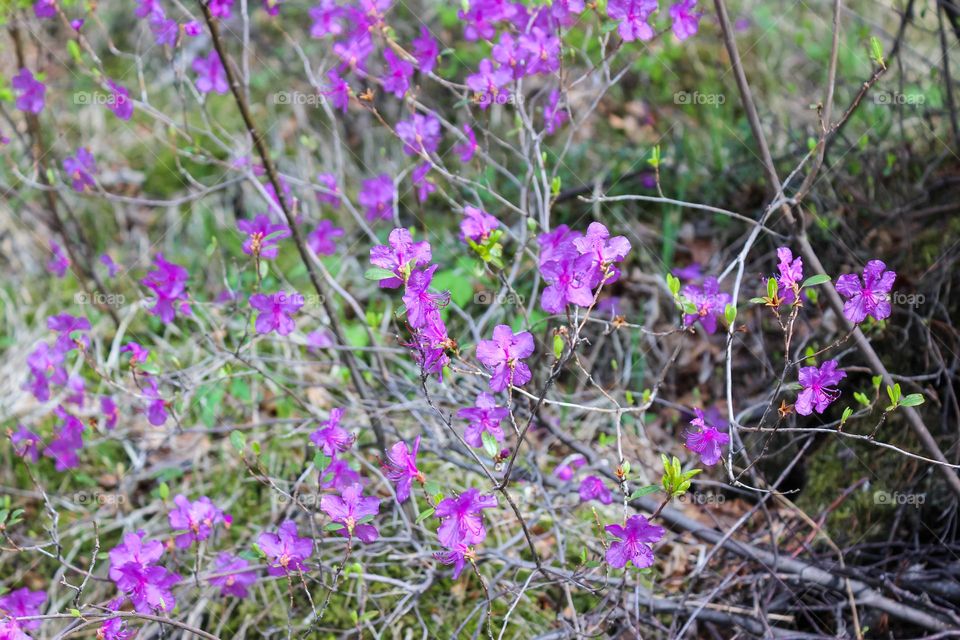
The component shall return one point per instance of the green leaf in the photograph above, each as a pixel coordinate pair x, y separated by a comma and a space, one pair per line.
75, 612
555, 186
164, 491
861, 398
771, 288
490, 444
813, 281
557, 346
758, 300
846, 415
376, 273
912, 400
673, 282
238, 440
425, 514
730, 314
609, 26
74, 50
644, 491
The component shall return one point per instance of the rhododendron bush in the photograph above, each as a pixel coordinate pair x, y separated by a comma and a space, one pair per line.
535, 318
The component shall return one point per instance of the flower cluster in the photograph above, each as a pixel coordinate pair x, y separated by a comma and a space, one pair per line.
134, 570
461, 526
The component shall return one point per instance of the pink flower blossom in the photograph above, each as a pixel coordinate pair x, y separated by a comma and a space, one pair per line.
593, 488
236, 581
502, 355
706, 440
262, 236
819, 387
275, 311
378, 195
871, 297
484, 417
461, 518
197, 519
211, 76
322, 240
285, 550
634, 542
685, 19
351, 509
30, 92
331, 438
426, 50
133, 569
401, 467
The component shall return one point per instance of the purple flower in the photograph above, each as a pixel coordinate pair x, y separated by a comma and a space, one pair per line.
168, 281
272, 7
604, 251
157, 408
211, 76
593, 488
286, 551
568, 281
133, 570
110, 412
509, 54
709, 301
870, 297
275, 311
456, 557
331, 437
146, 8
542, 49
23, 603
108, 262
420, 134
65, 324
220, 8
197, 519
44, 9
685, 19
484, 417
338, 475
425, 50
468, 148
378, 195
488, 81
553, 115
326, 19
476, 224
401, 257
262, 236
564, 10
354, 51
79, 168
77, 24
331, 194
138, 354
26, 443
430, 346
634, 543
819, 387
30, 92
114, 629
119, 101
707, 441
401, 467
566, 470
350, 509
791, 274
632, 15
67, 442
557, 244
419, 178
461, 518
422, 304
235, 580
165, 30
322, 239
59, 263
502, 355
396, 80
338, 91
317, 340
192, 28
